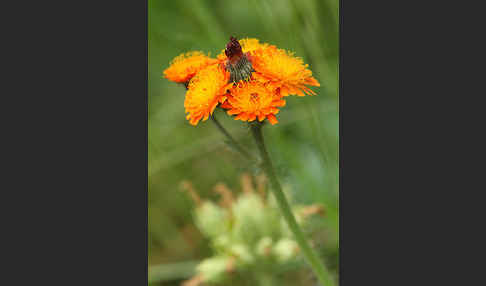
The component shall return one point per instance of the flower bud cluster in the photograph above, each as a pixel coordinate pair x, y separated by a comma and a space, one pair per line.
247, 234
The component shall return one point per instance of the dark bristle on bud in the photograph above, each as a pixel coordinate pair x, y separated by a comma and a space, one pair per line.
233, 48
238, 65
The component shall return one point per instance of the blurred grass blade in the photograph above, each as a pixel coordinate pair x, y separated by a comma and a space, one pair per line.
174, 271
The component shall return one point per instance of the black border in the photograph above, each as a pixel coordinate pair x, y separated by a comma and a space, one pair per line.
78, 145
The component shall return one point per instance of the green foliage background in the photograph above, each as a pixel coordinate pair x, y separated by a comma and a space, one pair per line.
303, 146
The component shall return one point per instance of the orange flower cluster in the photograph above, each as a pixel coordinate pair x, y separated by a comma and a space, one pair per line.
248, 78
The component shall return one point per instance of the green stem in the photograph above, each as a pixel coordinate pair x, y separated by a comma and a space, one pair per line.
232, 142
311, 256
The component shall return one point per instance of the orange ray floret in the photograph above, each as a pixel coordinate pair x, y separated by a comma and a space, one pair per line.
185, 66
252, 100
282, 71
205, 91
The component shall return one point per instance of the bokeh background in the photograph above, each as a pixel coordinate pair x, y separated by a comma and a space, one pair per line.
303, 146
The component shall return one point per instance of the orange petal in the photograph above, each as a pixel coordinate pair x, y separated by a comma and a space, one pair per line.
272, 119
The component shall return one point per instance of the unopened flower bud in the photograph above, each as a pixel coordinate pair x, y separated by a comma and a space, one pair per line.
214, 270
238, 65
264, 246
285, 249
211, 219
249, 215
222, 241
242, 253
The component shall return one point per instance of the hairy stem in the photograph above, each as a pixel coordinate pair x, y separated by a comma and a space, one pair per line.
311, 256
232, 140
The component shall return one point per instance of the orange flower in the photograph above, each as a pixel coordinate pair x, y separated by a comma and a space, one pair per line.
252, 100
282, 71
205, 91
185, 66
248, 78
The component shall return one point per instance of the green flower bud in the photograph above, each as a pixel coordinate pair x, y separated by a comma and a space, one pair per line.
211, 219
215, 269
242, 254
222, 241
285, 249
249, 218
264, 246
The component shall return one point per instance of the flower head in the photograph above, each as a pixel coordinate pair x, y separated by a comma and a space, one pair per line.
248, 78
252, 100
282, 71
185, 66
205, 91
